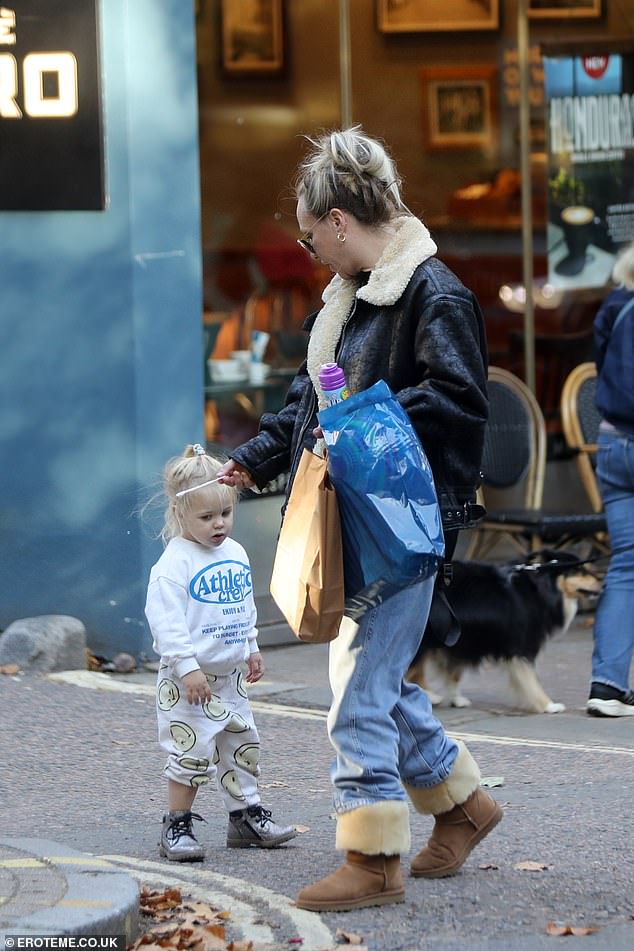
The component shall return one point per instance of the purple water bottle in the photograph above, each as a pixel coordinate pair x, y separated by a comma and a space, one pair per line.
333, 383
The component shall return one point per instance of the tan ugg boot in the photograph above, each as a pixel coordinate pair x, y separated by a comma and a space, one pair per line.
464, 815
373, 837
362, 881
455, 834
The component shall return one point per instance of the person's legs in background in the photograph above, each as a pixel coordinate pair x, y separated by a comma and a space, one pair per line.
614, 622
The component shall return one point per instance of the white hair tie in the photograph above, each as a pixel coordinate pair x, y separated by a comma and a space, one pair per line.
199, 450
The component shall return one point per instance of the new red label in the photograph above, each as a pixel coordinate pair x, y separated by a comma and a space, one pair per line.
595, 66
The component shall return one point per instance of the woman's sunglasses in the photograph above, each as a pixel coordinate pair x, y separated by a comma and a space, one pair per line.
307, 245
307, 242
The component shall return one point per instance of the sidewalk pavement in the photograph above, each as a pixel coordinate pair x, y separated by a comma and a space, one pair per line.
49, 888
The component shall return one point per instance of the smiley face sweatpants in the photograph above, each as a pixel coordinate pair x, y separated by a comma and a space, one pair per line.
216, 740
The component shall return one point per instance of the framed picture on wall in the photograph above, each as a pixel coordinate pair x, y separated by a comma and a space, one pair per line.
458, 106
417, 16
563, 9
252, 37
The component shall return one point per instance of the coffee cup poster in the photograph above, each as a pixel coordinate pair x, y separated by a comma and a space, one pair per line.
590, 110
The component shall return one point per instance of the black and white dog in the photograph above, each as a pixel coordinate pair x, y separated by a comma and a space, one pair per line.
506, 614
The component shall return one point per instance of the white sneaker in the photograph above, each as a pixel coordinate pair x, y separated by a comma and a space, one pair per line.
606, 701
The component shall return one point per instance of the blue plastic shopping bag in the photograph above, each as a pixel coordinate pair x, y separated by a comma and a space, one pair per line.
390, 519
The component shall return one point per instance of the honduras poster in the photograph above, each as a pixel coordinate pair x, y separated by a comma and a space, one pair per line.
590, 120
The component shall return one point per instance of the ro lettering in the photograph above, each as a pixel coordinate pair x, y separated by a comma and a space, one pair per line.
48, 86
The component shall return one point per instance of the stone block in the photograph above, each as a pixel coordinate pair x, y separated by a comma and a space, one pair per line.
46, 643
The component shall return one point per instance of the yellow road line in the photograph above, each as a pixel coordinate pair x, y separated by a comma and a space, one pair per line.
83, 903
48, 860
22, 863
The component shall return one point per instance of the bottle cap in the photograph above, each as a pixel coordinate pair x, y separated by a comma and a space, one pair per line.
331, 377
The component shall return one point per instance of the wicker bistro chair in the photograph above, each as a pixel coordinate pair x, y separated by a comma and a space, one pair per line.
513, 471
580, 420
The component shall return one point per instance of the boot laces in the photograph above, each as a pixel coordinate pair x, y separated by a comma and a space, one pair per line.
180, 826
261, 815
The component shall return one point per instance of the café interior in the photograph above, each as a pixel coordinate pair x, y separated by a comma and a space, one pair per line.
271, 72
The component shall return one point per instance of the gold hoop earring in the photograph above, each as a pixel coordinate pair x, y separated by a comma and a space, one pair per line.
341, 237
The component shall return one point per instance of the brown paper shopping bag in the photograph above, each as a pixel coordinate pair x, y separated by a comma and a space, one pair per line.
307, 579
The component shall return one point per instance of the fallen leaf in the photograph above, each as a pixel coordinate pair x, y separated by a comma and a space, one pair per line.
93, 661
348, 937
490, 865
558, 931
302, 828
152, 901
529, 866
491, 781
200, 908
10, 669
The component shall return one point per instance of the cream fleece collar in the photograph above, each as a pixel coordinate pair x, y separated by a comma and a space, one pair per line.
411, 245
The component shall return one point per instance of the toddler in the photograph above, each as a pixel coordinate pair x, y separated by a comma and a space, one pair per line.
201, 612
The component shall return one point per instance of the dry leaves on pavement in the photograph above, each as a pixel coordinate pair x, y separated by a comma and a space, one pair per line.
186, 925
10, 669
552, 928
183, 924
529, 866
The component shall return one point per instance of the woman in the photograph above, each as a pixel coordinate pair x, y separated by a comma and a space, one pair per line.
610, 695
391, 312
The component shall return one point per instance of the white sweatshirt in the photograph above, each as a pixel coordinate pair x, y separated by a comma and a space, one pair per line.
200, 607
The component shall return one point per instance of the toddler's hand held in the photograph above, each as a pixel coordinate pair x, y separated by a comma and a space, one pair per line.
255, 667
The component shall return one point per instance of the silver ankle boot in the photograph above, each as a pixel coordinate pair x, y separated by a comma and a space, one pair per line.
178, 842
254, 826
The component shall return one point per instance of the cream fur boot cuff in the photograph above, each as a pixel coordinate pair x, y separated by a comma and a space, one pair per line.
463, 779
380, 829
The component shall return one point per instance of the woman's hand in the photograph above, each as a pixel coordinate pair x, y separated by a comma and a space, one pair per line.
234, 474
197, 687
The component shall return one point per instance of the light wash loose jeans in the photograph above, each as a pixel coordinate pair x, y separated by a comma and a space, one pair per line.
381, 727
614, 621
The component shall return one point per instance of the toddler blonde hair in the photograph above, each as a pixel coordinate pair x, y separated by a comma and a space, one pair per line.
183, 476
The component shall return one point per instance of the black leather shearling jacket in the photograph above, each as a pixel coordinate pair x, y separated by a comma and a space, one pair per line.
429, 345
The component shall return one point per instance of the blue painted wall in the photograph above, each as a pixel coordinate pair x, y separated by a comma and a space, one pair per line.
100, 341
